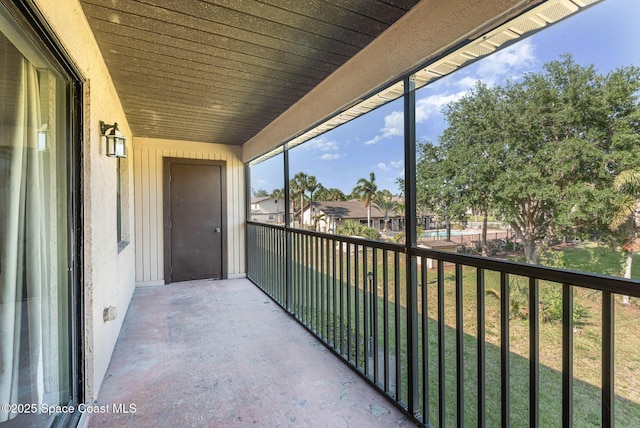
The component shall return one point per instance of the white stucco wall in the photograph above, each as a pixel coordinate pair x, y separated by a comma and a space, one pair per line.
149, 154
109, 275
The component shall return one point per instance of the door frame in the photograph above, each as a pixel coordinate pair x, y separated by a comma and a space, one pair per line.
166, 179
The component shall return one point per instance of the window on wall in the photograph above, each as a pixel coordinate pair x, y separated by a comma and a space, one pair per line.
36, 240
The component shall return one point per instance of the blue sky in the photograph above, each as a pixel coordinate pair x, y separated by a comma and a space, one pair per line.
606, 35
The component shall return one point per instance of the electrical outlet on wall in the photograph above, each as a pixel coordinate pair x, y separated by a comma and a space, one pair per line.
110, 313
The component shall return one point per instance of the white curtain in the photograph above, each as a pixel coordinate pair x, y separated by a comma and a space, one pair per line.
27, 336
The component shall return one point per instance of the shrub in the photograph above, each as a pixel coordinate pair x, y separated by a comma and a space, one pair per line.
352, 228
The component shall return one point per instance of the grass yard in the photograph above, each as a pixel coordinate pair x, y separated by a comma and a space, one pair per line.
590, 257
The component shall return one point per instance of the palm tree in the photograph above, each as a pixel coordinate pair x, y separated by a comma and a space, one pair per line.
297, 187
331, 194
277, 194
350, 228
317, 218
387, 206
627, 212
302, 183
312, 187
366, 190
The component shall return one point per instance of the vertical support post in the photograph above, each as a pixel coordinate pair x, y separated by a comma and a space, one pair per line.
459, 347
385, 318
608, 379
481, 346
247, 216
410, 242
505, 388
425, 343
374, 317
287, 234
567, 355
534, 357
442, 408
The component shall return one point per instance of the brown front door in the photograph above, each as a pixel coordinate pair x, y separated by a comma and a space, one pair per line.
194, 220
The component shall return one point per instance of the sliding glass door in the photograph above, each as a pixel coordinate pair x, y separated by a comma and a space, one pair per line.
36, 370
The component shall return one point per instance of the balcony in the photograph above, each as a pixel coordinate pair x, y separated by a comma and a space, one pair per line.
376, 305
221, 353
340, 340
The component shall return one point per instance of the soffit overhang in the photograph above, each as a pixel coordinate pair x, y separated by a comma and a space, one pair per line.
220, 71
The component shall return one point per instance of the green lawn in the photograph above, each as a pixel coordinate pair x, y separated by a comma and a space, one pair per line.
590, 257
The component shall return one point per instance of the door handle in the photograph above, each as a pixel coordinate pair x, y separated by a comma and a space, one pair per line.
217, 230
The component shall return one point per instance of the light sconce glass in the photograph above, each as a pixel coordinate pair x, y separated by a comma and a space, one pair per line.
116, 143
42, 141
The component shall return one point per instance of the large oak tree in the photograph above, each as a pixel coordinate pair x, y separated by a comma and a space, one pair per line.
541, 153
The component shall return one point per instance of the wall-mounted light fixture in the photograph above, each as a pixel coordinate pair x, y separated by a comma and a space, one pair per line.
116, 143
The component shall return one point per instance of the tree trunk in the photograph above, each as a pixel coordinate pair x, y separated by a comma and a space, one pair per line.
485, 219
369, 215
302, 211
530, 250
627, 274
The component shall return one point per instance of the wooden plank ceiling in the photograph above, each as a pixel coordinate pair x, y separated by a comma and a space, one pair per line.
220, 70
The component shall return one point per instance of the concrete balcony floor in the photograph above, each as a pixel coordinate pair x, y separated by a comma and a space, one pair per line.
222, 354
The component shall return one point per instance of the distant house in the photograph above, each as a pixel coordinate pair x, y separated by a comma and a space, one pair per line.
267, 210
330, 215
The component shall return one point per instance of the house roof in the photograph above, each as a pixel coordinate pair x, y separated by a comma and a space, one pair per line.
346, 209
260, 199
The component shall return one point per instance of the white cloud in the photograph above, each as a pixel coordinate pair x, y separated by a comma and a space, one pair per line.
397, 164
467, 82
393, 126
510, 62
321, 144
330, 156
382, 166
507, 62
427, 107
374, 140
